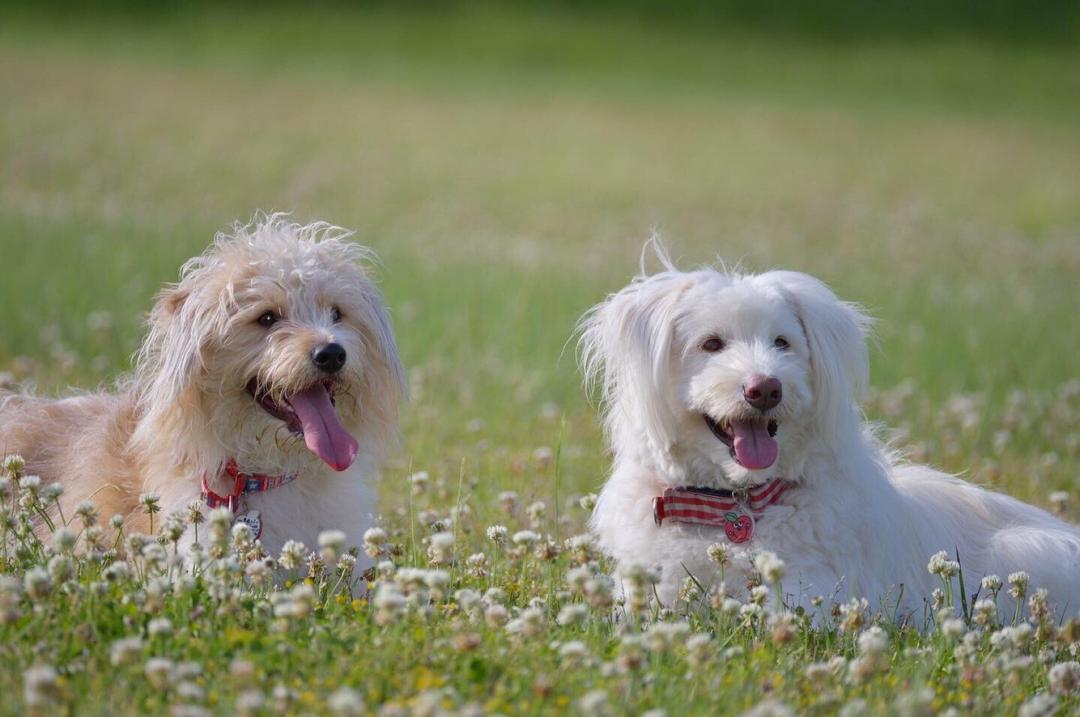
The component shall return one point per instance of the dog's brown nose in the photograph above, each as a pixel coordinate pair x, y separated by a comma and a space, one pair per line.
763, 392
329, 358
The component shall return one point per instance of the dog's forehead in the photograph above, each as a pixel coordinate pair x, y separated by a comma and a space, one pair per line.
736, 302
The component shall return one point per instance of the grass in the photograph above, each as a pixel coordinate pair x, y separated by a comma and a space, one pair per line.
507, 166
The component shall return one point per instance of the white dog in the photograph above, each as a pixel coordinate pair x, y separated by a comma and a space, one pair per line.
268, 383
730, 405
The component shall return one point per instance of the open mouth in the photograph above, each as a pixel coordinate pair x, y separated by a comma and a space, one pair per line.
310, 414
751, 442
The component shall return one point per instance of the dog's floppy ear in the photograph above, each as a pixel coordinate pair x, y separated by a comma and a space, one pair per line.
836, 332
171, 353
625, 347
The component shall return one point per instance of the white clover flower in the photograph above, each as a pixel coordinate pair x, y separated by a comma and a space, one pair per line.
476, 564
117, 571
332, 539
730, 606
258, 572
698, 649
984, 612
1018, 584
769, 566
991, 583
14, 464
467, 598
573, 614
158, 671
375, 540
419, 482
639, 575
1014, 636
573, 652
87, 512
529, 623
1041, 705
1059, 501
37, 583
494, 596
190, 691
389, 603
758, 594
497, 533
150, 502
536, 509
441, 548
588, 501
1064, 677
526, 538
64, 539
915, 702
599, 591
242, 535
953, 628
40, 686
292, 554
30, 484
751, 611
51, 492
61, 568
495, 615
250, 703
508, 501
853, 614
159, 627
577, 577
938, 562
718, 553
662, 636
125, 651
873, 641
855, 708
594, 702
346, 702
174, 526
770, 708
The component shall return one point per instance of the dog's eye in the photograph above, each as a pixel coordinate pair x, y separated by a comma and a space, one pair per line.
267, 319
713, 344
781, 343
335, 314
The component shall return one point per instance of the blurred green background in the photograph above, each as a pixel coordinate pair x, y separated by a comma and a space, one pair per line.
508, 160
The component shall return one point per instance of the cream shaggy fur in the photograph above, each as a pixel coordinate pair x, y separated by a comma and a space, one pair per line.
227, 371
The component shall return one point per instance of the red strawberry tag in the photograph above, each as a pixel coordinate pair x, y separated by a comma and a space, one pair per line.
739, 528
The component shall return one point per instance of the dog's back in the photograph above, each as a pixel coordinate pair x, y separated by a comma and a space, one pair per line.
993, 533
79, 441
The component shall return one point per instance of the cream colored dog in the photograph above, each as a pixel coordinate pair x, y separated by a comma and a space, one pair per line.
269, 383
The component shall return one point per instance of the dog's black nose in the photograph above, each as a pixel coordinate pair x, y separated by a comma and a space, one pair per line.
329, 358
763, 392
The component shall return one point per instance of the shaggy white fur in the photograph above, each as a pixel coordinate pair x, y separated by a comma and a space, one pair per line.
675, 355
231, 369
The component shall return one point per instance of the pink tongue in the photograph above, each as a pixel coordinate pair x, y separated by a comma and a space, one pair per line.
323, 432
753, 445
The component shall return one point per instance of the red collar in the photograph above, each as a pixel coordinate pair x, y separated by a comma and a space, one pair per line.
242, 483
735, 512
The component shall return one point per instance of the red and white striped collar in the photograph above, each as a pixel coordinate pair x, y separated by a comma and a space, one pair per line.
734, 511
243, 483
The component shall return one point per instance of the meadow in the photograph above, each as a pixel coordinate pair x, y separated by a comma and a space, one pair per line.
507, 166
